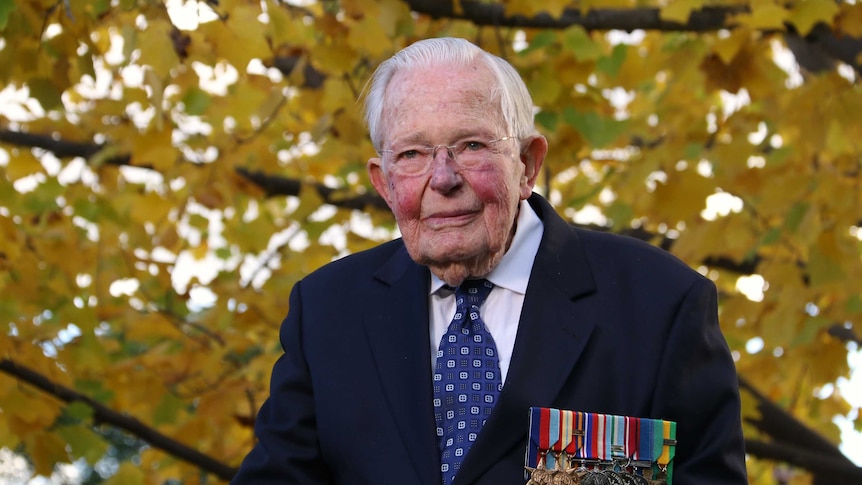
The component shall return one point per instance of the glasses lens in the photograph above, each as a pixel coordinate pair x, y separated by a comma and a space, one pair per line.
467, 154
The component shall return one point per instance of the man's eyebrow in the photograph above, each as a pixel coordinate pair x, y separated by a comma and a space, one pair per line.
420, 138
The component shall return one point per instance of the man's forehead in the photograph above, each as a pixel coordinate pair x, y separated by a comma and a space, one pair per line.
440, 77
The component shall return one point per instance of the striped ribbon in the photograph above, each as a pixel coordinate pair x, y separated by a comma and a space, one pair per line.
554, 432
600, 437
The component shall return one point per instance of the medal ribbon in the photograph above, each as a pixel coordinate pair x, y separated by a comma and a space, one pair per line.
553, 432
665, 461
644, 449
543, 430
605, 448
632, 436
598, 433
618, 448
580, 434
657, 447
602, 437
566, 432
535, 441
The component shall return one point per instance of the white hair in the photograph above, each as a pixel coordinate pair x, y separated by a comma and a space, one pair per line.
516, 105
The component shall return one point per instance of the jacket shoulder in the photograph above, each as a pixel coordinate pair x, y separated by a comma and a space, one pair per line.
356, 267
608, 250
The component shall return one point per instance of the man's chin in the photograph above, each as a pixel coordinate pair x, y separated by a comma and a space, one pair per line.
455, 270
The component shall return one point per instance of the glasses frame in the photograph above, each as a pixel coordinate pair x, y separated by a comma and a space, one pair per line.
450, 151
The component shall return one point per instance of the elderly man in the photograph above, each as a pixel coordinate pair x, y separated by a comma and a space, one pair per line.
417, 362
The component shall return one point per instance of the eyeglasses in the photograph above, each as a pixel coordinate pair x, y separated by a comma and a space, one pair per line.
418, 159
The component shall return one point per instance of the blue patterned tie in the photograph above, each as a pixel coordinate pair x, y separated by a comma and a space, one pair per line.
466, 378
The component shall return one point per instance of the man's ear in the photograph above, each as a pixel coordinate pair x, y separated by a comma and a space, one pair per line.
532, 156
379, 179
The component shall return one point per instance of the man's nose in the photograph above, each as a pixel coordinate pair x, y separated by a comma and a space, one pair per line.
447, 152
444, 177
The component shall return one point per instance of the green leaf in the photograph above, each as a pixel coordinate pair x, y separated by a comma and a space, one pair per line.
771, 237
84, 443
795, 215
44, 197
547, 120
46, 92
581, 44
540, 41
168, 409
6, 7
94, 389
98, 8
854, 304
597, 130
810, 329
78, 412
693, 151
823, 268
611, 64
778, 156
196, 101
620, 214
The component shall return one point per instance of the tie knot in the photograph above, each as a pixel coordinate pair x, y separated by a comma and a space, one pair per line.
472, 293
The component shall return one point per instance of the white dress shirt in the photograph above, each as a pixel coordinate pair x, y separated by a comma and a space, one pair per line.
502, 310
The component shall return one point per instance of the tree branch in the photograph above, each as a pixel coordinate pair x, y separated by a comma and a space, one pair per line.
492, 14
796, 444
824, 467
105, 415
818, 51
275, 185
793, 443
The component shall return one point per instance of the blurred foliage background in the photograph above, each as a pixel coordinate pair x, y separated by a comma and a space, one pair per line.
169, 169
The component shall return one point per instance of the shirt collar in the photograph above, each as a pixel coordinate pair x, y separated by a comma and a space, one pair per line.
513, 271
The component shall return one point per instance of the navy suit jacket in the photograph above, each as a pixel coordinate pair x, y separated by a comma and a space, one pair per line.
609, 325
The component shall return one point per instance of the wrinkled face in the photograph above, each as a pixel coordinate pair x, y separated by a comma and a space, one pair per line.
455, 217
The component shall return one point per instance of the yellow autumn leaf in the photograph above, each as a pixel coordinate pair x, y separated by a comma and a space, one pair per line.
805, 15
10, 239
101, 39
283, 29
360, 8
253, 96
729, 46
127, 474
764, 15
849, 21
528, 8
782, 186
23, 164
150, 207
157, 48
369, 37
250, 236
36, 411
151, 327
200, 251
155, 149
683, 197
837, 140
680, 10
337, 94
46, 449
825, 261
244, 38
544, 87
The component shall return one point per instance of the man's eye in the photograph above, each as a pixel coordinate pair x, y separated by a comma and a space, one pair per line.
473, 146
409, 155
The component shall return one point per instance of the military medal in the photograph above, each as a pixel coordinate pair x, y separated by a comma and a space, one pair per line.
577, 448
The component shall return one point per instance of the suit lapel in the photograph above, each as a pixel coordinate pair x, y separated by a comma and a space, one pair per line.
552, 334
397, 328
